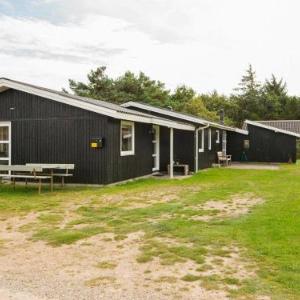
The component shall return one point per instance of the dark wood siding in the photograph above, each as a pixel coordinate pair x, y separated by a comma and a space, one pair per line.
164, 148
208, 157
184, 145
183, 148
265, 146
131, 166
45, 131
235, 142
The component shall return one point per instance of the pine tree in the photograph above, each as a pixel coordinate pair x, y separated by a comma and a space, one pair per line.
248, 96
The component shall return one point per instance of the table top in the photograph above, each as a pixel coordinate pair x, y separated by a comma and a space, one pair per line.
53, 166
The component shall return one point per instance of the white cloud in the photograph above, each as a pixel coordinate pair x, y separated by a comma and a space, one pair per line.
29, 47
204, 43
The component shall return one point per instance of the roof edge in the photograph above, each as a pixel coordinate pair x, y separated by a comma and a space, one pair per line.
10, 84
182, 116
275, 129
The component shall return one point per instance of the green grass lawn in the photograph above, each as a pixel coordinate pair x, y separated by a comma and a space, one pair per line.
269, 234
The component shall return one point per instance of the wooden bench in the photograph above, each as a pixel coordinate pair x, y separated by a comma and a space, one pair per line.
223, 158
183, 166
23, 172
51, 167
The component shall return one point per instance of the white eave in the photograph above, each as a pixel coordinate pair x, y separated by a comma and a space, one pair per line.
181, 116
272, 128
8, 84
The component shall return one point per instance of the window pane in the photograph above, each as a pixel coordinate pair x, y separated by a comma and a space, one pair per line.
3, 133
4, 150
126, 137
3, 163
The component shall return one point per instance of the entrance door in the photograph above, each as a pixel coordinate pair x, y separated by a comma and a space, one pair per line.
5, 143
155, 142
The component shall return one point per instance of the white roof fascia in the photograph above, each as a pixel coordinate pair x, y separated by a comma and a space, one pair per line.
7, 84
182, 116
272, 128
163, 111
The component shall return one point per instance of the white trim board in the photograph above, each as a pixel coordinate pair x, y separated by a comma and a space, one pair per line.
202, 131
181, 116
10, 84
132, 151
272, 128
8, 142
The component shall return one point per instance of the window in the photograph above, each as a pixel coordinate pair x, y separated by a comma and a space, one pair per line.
246, 144
201, 140
127, 138
218, 136
209, 139
5, 143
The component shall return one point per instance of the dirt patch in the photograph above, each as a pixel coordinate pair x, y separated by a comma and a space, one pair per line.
131, 200
228, 261
103, 267
38, 271
236, 206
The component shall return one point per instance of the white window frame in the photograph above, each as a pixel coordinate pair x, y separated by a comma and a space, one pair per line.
202, 140
156, 144
209, 139
7, 124
130, 152
218, 137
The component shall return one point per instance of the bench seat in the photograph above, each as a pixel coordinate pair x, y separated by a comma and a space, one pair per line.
24, 176
62, 175
39, 178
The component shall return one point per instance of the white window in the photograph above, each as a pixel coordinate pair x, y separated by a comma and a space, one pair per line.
209, 139
5, 143
201, 140
127, 138
218, 136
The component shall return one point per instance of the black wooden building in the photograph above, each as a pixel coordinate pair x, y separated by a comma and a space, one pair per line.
263, 144
106, 142
207, 139
110, 143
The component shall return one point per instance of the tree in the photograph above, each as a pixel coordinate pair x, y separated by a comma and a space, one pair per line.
246, 100
196, 107
250, 99
274, 99
99, 86
275, 86
215, 102
181, 96
127, 87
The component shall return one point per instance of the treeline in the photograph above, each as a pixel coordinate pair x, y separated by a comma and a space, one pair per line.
250, 100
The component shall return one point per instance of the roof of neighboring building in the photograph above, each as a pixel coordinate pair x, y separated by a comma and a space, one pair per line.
97, 106
182, 116
275, 129
289, 125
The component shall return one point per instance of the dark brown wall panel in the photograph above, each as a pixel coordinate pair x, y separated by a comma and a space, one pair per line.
265, 146
45, 131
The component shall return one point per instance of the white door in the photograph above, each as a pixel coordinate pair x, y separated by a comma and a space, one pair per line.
155, 142
5, 143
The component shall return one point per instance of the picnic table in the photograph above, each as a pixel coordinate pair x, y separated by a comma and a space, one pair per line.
35, 171
23, 172
50, 168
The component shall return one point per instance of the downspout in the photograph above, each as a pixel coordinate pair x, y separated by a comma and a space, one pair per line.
197, 145
224, 133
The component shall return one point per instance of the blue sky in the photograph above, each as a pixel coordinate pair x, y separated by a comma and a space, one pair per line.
206, 44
